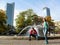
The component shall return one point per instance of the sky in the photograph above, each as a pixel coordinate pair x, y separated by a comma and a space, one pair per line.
36, 5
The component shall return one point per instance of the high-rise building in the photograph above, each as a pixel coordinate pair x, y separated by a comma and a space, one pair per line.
10, 13
46, 11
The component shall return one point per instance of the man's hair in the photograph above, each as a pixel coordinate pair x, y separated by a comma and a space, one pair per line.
32, 27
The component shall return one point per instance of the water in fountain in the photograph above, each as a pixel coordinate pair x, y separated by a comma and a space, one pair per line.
27, 29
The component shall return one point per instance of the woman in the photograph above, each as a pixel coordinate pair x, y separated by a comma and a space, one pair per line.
45, 29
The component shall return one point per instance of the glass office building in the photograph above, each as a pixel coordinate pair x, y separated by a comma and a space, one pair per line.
46, 11
10, 13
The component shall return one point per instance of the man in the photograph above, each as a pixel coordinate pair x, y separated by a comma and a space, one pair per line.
45, 29
33, 33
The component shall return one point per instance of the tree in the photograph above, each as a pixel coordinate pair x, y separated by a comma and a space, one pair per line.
24, 19
49, 20
37, 19
20, 21
3, 19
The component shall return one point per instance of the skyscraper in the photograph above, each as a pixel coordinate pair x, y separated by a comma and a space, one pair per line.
10, 13
46, 11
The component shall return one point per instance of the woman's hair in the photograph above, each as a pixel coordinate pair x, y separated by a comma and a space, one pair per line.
44, 19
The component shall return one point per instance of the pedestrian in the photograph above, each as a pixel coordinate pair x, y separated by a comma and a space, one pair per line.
45, 30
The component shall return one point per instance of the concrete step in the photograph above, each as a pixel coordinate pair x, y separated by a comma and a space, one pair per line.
26, 37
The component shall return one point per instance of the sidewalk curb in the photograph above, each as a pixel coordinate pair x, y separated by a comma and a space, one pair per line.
25, 37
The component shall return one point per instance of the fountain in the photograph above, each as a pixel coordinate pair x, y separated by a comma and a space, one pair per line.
38, 28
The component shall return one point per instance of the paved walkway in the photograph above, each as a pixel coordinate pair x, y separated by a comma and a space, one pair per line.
21, 40
27, 42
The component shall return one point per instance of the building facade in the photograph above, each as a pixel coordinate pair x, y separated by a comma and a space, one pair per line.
10, 13
46, 11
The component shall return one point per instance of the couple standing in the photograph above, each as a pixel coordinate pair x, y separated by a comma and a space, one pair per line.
33, 32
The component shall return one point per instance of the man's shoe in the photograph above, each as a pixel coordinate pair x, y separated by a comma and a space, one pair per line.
29, 39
